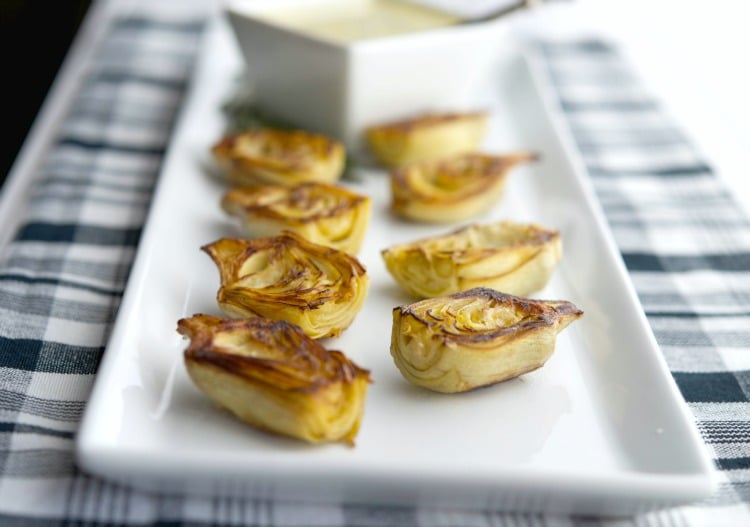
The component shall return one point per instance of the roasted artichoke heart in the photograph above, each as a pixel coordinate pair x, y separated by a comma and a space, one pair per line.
320, 212
427, 137
454, 189
271, 375
286, 277
475, 338
515, 258
269, 156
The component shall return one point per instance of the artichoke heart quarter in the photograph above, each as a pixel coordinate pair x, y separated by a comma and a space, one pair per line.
320, 212
284, 157
426, 137
515, 258
475, 338
271, 375
286, 277
454, 189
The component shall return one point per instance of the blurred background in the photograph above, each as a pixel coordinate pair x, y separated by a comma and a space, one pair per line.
34, 38
692, 53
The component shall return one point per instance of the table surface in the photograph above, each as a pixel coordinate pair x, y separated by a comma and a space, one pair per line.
689, 57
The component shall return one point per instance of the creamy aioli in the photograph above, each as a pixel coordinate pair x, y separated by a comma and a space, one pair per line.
351, 20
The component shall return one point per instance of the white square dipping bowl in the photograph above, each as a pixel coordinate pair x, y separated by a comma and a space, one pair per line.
340, 88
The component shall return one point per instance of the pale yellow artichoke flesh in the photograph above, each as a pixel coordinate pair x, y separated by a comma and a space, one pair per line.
286, 277
271, 375
282, 157
453, 189
516, 258
322, 213
426, 137
475, 338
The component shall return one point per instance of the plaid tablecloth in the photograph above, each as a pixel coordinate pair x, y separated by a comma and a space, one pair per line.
685, 242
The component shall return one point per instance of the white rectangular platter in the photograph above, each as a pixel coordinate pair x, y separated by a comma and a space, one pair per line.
600, 429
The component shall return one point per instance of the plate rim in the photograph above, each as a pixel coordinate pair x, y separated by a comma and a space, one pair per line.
95, 457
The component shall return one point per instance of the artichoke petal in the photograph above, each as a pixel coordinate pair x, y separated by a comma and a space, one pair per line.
320, 212
271, 375
475, 338
426, 137
453, 189
284, 157
515, 258
286, 277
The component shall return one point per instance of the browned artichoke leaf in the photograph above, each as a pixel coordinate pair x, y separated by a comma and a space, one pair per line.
513, 257
453, 189
322, 213
273, 156
427, 136
475, 338
286, 277
270, 374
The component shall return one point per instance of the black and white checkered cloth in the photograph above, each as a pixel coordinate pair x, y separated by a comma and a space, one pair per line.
684, 239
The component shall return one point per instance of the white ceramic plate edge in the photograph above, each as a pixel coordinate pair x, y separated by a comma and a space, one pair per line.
95, 456
560, 126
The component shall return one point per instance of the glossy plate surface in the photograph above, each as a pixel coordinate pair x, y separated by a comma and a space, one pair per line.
601, 428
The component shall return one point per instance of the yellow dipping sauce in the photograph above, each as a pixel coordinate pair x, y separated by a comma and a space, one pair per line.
352, 20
